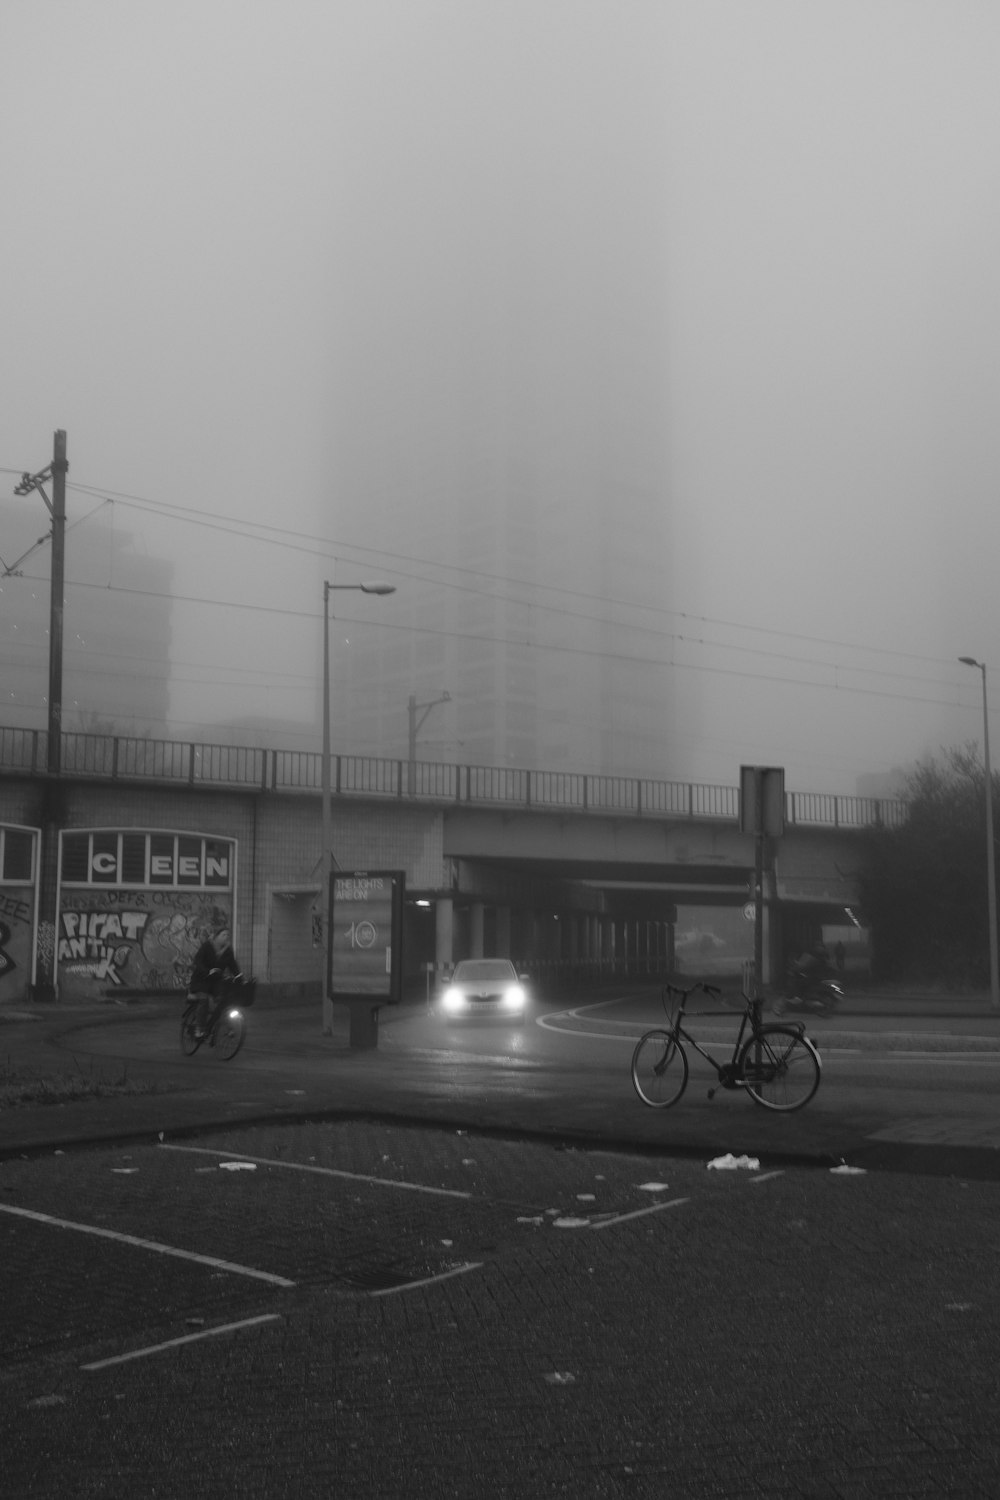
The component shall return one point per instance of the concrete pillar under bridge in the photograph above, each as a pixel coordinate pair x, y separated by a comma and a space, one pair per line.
444, 932
477, 925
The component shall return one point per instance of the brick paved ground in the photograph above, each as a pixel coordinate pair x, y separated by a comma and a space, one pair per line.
810, 1334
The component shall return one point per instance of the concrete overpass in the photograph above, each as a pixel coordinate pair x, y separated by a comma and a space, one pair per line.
563, 871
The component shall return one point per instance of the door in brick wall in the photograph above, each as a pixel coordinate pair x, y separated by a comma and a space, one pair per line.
296, 937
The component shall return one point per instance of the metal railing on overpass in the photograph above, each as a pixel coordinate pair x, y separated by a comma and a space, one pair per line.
126, 758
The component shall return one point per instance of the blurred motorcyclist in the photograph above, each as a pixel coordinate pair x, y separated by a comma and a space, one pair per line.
808, 969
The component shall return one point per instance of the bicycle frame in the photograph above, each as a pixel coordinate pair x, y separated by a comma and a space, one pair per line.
750, 1019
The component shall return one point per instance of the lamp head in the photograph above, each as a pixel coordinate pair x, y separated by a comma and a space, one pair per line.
970, 661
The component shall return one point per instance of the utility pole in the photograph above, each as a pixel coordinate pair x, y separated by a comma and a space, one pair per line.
762, 813
991, 869
56, 507
47, 937
413, 707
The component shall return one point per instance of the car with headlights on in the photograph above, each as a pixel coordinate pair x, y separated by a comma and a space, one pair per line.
485, 989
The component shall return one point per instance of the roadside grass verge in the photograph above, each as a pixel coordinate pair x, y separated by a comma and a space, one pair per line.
23, 1086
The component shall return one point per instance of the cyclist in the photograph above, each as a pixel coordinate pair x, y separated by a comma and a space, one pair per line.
214, 962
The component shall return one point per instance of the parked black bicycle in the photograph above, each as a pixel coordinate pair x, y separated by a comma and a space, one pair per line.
225, 1029
777, 1065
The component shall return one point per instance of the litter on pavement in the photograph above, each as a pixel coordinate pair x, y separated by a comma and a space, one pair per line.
731, 1163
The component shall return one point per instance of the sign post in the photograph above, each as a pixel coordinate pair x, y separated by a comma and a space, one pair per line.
762, 813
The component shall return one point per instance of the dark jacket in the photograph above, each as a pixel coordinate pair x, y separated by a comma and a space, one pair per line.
203, 981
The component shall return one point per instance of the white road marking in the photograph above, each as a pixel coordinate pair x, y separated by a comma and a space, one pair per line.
638, 1213
549, 1023
567, 1023
410, 1286
188, 1338
767, 1177
155, 1245
870, 1058
296, 1166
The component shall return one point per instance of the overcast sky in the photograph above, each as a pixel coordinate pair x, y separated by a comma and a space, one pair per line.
250, 254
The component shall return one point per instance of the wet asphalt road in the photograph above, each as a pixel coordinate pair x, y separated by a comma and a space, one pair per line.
893, 1085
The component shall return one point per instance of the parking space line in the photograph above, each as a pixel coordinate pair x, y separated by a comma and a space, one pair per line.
410, 1286
298, 1166
155, 1245
639, 1213
188, 1338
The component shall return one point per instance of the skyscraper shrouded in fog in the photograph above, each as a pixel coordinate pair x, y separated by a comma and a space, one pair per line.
499, 439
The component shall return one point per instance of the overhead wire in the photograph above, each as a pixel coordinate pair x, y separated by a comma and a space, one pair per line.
591, 653
278, 536
307, 542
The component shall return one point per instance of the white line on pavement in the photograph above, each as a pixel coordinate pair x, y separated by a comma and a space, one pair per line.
297, 1166
639, 1213
131, 1239
546, 1023
866, 1057
410, 1286
188, 1338
563, 1023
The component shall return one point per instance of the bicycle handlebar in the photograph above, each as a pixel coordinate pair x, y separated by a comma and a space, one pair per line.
710, 989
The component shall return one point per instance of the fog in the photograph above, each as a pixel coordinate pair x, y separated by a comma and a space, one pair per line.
666, 335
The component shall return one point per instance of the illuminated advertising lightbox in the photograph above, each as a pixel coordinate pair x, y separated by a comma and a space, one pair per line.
366, 930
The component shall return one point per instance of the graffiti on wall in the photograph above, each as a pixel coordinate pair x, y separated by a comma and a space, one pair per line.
6, 961
134, 939
15, 941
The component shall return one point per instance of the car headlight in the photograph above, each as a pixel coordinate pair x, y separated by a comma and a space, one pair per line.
514, 997
453, 999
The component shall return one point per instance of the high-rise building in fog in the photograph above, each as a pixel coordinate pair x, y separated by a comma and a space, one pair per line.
116, 631
498, 415
539, 624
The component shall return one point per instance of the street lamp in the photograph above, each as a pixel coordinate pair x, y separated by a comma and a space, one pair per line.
373, 586
991, 871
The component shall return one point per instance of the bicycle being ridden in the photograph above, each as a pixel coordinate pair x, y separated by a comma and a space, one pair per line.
214, 963
777, 1065
217, 996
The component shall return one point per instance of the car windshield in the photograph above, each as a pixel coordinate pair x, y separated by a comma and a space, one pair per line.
484, 968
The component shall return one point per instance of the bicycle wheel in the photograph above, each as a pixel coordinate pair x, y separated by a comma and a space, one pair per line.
190, 1040
659, 1069
786, 1073
230, 1029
